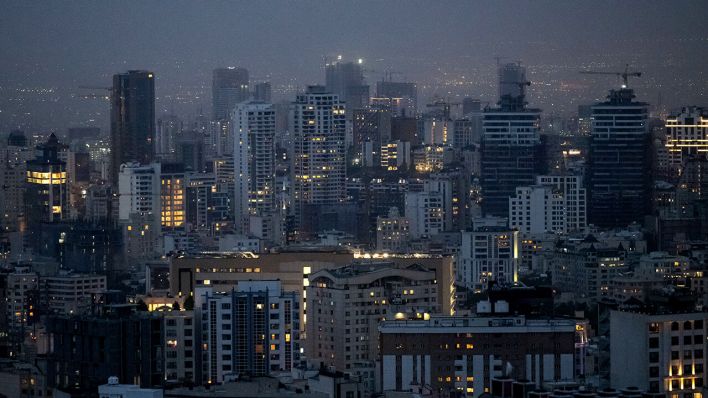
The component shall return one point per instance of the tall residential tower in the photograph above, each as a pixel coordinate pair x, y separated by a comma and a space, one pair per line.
229, 87
132, 119
253, 127
619, 172
319, 165
511, 149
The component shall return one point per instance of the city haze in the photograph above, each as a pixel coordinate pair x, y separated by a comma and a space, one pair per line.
50, 49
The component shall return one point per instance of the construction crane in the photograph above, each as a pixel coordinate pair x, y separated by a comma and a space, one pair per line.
624, 75
445, 104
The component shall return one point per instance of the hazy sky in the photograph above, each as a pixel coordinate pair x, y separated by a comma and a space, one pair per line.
63, 44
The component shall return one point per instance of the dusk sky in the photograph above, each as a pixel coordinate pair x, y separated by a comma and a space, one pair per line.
449, 51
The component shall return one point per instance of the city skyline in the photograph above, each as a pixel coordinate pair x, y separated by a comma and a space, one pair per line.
449, 51
360, 199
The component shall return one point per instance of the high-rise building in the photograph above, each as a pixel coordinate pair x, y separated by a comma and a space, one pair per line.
253, 330
199, 192
229, 87
464, 354
555, 204
686, 135
572, 189
425, 212
172, 200
346, 79
429, 207
262, 92
13, 168
181, 348
619, 169
253, 126
139, 209
489, 253
584, 120
87, 350
471, 105
319, 158
22, 300
587, 269
510, 77
344, 306
139, 191
537, 209
467, 131
396, 155
661, 352
47, 189
401, 98
190, 152
392, 232
69, 293
371, 129
169, 133
511, 152
132, 120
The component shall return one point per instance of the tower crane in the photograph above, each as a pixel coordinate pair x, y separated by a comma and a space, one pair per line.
624, 75
443, 103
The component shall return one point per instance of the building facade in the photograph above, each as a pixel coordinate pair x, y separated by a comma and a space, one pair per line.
345, 305
47, 189
511, 154
132, 120
319, 157
252, 330
461, 355
229, 87
619, 169
686, 136
489, 253
537, 209
661, 353
253, 125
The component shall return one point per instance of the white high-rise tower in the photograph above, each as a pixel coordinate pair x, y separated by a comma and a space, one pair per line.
253, 129
319, 165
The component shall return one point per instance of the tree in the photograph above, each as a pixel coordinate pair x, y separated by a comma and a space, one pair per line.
189, 303
175, 306
142, 306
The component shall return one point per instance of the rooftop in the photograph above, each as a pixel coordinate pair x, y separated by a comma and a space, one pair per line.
480, 324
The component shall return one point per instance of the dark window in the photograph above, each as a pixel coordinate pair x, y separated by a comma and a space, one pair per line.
654, 386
